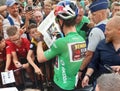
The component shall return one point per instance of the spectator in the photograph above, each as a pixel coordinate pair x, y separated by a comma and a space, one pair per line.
19, 48
38, 17
67, 64
28, 18
2, 57
37, 3
47, 8
108, 82
107, 51
98, 10
5, 57
84, 4
23, 3
117, 13
30, 3
37, 8
81, 20
114, 0
115, 7
13, 18
31, 56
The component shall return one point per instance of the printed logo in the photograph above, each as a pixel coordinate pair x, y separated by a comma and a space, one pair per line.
77, 51
56, 63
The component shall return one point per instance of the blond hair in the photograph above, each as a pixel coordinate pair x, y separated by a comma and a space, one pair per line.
12, 30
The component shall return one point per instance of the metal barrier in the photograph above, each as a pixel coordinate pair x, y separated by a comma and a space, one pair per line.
86, 88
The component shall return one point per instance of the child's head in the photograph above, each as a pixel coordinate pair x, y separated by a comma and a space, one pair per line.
14, 35
32, 29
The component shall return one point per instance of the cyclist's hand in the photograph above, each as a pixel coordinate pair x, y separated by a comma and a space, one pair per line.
85, 81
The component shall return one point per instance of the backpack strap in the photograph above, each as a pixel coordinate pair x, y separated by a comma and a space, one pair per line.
10, 20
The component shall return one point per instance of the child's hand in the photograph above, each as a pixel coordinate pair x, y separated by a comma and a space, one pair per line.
38, 36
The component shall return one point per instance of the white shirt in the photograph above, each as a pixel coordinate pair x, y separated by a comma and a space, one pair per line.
6, 24
95, 36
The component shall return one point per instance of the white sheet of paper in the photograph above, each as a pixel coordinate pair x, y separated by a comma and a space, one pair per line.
9, 89
48, 27
7, 77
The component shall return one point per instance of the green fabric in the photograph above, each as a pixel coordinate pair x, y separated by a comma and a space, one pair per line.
79, 26
70, 52
24, 4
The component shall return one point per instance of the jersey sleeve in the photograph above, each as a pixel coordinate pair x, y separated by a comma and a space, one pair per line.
55, 49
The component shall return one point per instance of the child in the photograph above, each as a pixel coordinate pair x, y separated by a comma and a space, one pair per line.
19, 49
31, 56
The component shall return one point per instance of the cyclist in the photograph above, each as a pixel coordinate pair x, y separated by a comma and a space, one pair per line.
69, 50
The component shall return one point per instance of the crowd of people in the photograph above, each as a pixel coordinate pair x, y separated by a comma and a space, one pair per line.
90, 40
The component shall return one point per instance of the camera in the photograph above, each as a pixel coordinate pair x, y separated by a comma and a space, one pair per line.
30, 8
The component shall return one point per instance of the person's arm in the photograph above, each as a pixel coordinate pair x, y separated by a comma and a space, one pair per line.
93, 42
87, 60
8, 61
31, 58
28, 16
40, 53
15, 60
93, 65
87, 76
8, 57
3, 7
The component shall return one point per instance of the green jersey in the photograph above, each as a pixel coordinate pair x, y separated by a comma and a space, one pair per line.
70, 52
79, 26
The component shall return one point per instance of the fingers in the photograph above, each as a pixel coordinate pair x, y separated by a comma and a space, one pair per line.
85, 81
39, 72
39, 37
116, 68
